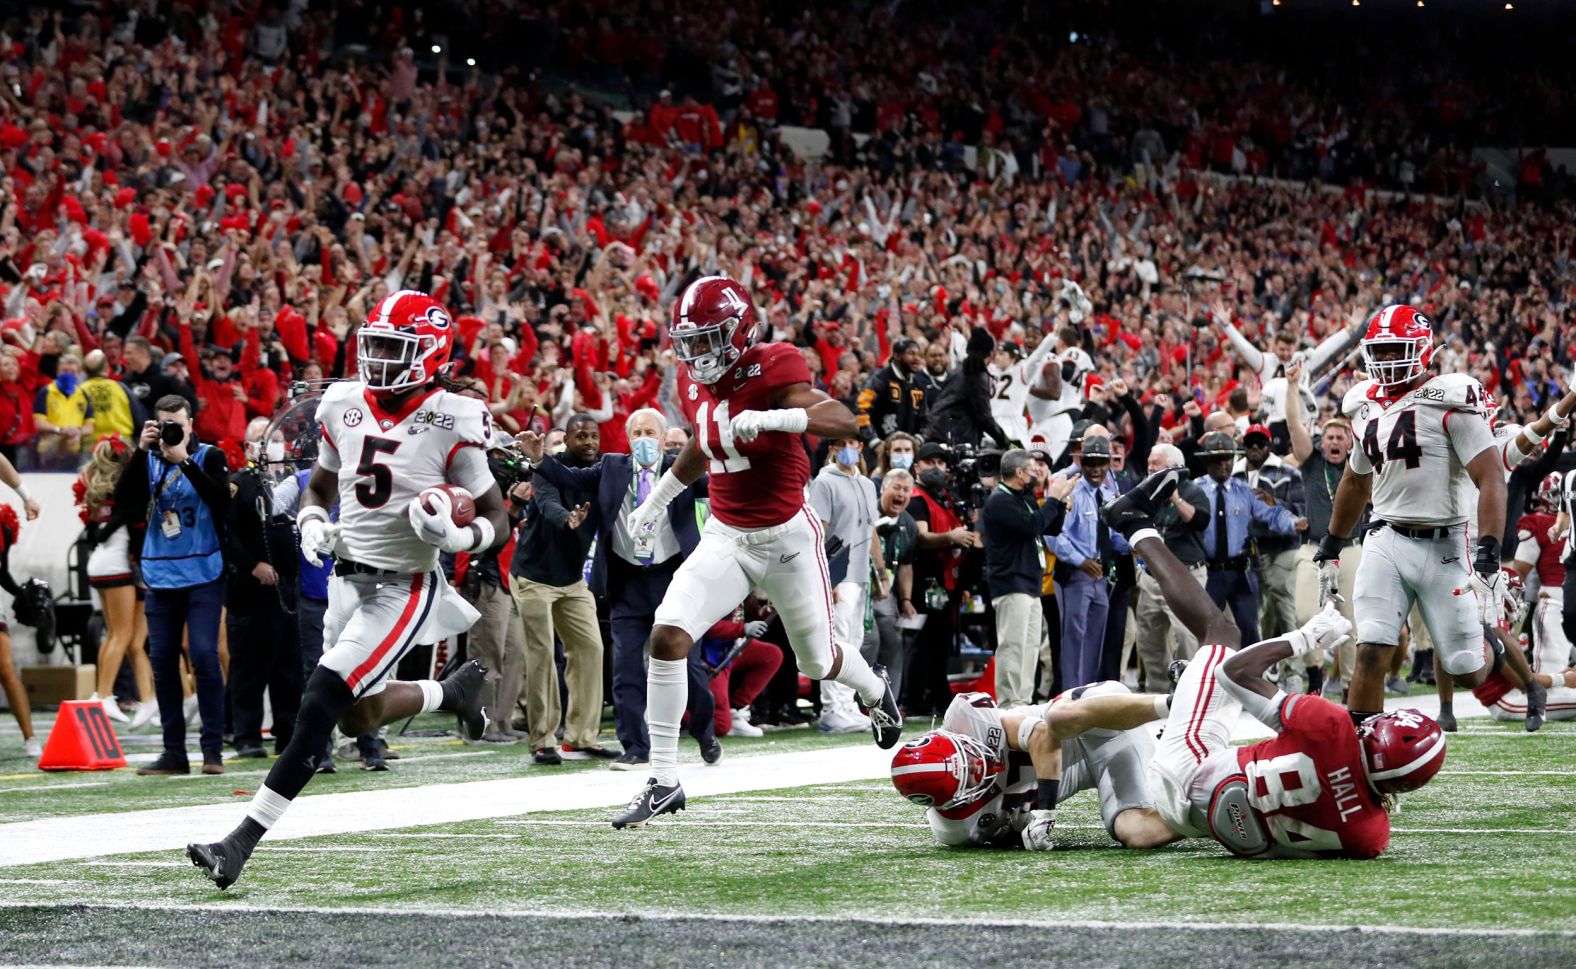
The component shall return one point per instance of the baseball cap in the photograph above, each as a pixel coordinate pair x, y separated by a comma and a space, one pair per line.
1012, 347
1257, 429
1095, 449
170, 359
930, 451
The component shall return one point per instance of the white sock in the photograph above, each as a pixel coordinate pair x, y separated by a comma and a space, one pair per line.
267, 807
431, 694
1162, 708
858, 674
667, 691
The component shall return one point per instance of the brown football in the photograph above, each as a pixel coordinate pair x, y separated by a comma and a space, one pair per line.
464, 506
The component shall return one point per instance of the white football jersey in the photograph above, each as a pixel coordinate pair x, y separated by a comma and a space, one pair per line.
1417, 447
384, 460
1072, 397
975, 715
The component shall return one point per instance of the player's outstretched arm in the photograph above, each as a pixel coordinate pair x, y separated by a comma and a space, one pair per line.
1534, 434
826, 417
1242, 675
1066, 719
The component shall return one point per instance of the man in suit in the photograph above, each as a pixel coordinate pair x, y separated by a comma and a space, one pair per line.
633, 576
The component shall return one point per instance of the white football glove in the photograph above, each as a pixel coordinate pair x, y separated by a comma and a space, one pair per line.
437, 527
1490, 591
756, 628
1037, 833
747, 425
1327, 630
1330, 581
645, 517
318, 536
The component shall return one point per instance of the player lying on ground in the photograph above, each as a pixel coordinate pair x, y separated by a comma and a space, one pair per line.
403, 435
1319, 788
748, 404
993, 777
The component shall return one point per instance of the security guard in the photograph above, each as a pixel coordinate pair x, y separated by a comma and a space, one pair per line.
265, 648
1267, 474
1233, 508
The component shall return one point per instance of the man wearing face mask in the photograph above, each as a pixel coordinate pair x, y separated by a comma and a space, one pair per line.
943, 538
63, 414
845, 500
265, 647
632, 576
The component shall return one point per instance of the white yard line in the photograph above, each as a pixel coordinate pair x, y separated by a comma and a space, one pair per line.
33, 789
1049, 922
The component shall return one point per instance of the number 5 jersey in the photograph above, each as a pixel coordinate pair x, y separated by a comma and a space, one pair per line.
386, 458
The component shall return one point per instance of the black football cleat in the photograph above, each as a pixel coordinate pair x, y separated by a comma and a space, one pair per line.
462, 696
1446, 719
1174, 671
221, 861
1537, 701
653, 799
886, 719
1137, 508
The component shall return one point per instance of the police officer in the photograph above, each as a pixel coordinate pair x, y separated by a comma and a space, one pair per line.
1280, 484
183, 485
1233, 507
265, 649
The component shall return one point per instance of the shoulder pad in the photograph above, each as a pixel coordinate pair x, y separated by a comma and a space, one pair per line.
1452, 391
341, 390
472, 419
1355, 398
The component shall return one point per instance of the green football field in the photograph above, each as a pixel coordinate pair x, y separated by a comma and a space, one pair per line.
799, 866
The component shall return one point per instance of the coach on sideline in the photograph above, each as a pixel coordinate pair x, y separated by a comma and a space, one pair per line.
633, 577
1012, 527
184, 485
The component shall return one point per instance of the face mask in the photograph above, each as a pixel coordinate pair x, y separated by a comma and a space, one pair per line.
672, 452
67, 382
645, 450
903, 461
275, 450
848, 456
934, 479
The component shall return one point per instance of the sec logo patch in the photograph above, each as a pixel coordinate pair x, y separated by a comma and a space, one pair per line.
353, 417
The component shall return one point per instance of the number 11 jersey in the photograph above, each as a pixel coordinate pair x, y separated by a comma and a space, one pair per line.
761, 483
386, 458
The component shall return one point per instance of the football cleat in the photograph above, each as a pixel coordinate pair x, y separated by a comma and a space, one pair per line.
1174, 671
221, 861
886, 720
463, 691
1137, 508
1537, 700
653, 799
1446, 719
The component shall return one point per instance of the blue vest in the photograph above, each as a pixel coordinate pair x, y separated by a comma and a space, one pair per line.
314, 578
193, 557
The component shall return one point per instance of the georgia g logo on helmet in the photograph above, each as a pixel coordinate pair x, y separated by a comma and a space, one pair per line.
404, 343
1398, 345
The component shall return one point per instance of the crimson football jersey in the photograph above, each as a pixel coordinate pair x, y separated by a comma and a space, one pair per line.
1308, 784
760, 483
1533, 531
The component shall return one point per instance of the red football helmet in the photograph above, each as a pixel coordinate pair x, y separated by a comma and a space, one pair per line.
714, 322
405, 341
1402, 750
1398, 345
1551, 492
942, 769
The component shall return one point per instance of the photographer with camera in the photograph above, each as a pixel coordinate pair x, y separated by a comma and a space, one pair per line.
1013, 528
944, 536
183, 485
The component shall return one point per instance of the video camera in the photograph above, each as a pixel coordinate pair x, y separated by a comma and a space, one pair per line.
969, 465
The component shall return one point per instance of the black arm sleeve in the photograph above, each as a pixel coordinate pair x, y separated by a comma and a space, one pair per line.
1050, 518
131, 491
1143, 434
977, 400
212, 483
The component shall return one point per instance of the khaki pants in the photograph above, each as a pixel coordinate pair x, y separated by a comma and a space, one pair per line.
498, 642
1155, 621
1019, 626
571, 611
1308, 603
1277, 593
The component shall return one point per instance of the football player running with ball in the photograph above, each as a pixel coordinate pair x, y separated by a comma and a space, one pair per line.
747, 403
1421, 438
1321, 788
387, 438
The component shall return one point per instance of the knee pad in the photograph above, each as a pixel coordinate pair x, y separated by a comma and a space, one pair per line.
815, 669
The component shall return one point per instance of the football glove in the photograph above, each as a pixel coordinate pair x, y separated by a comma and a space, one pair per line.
1490, 590
437, 527
1327, 630
1037, 833
318, 534
649, 512
756, 628
1327, 557
748, 425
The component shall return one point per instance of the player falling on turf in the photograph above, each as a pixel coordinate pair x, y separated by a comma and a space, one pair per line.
992, 777
1541, 549
747, 403
386, 438
1420, 436
1320, 788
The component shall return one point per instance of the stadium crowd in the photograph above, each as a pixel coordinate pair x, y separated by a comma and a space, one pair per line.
204, 200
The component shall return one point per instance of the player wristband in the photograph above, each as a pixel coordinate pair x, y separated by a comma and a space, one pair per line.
311, 511
668, 487
794, 420
1554, 415
1487, 558
1330, 547
484, 534
1045, 794
1531, 433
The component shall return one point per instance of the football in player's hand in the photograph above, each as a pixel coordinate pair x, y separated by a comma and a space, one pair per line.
462, 505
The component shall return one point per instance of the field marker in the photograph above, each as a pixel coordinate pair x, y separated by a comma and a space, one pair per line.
52, 787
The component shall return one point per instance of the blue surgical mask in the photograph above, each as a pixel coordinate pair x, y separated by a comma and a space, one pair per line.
848, 456
67, 382
646, 451
903, 461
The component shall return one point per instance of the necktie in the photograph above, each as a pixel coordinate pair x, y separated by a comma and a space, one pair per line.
642, 486
1102, 532
1220, 523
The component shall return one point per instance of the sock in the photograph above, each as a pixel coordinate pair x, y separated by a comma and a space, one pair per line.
266, 808
1139, 534
1163, 705
1046, 794
667, 691
431, 695
857, 673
